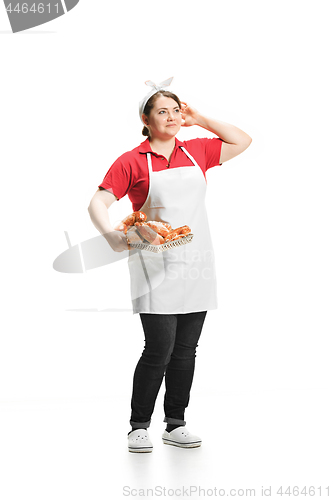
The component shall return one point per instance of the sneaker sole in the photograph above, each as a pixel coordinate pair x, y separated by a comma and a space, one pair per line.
195, 444
140, 450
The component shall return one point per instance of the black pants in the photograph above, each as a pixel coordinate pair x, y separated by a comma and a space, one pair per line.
170, 350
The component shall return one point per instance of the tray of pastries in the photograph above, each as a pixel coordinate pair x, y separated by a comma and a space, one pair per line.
153, 236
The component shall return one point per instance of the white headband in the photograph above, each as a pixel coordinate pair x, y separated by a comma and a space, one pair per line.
155, 88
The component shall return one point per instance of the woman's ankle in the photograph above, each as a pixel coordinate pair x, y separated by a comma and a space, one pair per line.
135, 429
171, 427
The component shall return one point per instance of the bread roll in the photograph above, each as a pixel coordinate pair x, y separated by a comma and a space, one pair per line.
159, 227
133, 236
140, 216
149, 234
129, 220
184, 230
177, 237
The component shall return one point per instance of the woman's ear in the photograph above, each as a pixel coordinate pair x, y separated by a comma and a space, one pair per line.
145, 119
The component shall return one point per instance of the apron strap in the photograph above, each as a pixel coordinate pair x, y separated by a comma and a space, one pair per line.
150, 167
150, 172
189, 156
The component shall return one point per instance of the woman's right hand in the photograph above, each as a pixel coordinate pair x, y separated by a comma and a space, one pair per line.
117, 241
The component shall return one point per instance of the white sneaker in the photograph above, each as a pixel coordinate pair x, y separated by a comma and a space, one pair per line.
181, 437
139, 442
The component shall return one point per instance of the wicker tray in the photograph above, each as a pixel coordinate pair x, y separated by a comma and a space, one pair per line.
164, 246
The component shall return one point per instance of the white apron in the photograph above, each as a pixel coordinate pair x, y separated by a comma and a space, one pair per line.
182, 279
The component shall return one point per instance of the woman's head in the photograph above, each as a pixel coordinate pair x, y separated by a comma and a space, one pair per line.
162, 107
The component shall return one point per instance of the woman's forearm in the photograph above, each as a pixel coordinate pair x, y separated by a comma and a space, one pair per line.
100, 217
228, 133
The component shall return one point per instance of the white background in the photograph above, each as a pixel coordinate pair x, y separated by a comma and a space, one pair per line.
261, 398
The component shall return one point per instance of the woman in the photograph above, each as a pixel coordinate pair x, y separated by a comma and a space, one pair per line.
172, 291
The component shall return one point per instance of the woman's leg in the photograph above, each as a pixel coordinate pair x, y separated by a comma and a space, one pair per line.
160, 334
180, 370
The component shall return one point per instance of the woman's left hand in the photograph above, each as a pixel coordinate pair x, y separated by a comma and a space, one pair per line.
189, 115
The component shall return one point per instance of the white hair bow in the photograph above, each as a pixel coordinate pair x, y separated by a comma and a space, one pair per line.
159, 86
155, 87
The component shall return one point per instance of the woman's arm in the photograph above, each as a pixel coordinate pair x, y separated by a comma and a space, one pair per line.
98, 211
235, 141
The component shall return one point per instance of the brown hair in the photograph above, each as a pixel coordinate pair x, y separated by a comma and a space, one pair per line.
150, 104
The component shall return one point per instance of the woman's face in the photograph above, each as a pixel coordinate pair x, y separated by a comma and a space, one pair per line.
165, 118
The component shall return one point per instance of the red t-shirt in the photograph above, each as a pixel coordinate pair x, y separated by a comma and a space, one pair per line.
129, 173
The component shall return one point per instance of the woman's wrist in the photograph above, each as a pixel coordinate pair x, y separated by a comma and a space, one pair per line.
201, 120
209, 124
225, 131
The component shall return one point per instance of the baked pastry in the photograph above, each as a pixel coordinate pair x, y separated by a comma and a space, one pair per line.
183, 230
130, 220
177, 237
139, 230
133, 236
149, 234
140, 216
161, 228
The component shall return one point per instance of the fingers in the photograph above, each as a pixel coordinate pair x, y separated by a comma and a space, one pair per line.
118, 241
125, 244
184, 113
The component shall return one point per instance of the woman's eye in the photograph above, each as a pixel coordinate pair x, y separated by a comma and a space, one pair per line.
177, 110
161, 112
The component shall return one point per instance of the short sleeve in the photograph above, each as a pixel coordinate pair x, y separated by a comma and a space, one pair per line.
206, 151
118, 178
213, 151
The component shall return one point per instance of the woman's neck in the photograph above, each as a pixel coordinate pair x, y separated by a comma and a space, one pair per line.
164, 148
